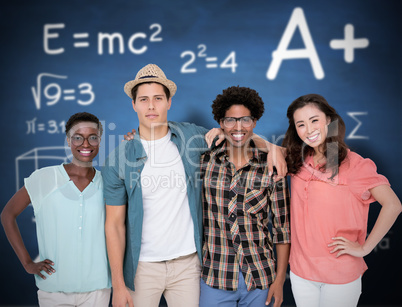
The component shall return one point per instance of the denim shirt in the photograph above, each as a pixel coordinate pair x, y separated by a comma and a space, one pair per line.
122, 186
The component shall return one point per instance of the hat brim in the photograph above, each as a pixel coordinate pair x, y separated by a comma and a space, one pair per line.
169, 84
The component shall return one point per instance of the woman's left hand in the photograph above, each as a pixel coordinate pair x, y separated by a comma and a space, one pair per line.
344, 246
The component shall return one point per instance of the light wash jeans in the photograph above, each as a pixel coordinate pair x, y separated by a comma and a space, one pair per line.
211, 297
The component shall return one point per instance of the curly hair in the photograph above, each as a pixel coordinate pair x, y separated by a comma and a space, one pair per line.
335, 149
83, 117
237, 95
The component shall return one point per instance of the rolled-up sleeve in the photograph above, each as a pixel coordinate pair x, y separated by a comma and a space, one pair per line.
363, 177
280, 206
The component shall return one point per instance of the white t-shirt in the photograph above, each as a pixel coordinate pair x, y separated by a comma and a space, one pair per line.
168, 230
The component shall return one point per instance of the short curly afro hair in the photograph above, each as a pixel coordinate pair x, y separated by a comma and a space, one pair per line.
83, 117
237, 95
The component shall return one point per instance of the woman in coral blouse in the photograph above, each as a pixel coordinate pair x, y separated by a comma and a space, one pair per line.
331, 189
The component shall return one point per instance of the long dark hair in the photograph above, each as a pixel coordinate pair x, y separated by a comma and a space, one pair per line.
334, 149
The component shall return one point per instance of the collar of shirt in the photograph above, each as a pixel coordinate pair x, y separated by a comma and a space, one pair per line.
309, 172
139, 152
220, 153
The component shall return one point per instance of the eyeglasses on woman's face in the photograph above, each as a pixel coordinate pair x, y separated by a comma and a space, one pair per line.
78, 140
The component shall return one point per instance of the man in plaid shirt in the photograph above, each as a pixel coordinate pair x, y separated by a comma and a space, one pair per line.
239, 197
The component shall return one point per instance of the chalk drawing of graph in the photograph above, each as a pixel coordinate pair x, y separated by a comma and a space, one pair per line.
42, 155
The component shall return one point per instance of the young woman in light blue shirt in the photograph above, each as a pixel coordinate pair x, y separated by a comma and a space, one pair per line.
67, 200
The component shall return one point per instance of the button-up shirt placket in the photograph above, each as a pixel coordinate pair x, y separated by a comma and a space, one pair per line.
226, 218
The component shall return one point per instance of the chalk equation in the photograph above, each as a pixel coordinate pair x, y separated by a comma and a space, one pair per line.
349, 43
138, 44
210, 62
51, 126
53, 92
51, 34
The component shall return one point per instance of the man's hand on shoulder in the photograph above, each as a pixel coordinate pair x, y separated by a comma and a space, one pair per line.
277, 158
130, 135
212, 134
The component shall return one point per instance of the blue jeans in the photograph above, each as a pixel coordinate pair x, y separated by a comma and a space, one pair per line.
211, 297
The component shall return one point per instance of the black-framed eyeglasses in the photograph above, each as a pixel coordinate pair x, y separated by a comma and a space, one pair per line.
78, 140
245, 121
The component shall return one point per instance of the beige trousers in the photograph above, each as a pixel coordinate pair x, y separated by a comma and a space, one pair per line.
177, 279
98, 298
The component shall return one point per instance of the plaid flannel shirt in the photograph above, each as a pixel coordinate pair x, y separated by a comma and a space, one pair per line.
236, 213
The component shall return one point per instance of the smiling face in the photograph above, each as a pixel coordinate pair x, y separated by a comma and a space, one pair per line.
311, 125
151, 106
84, 153
238, 135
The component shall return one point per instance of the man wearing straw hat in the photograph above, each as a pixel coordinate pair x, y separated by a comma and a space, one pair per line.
153, 201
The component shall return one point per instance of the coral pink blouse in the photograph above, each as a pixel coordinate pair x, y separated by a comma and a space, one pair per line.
322, 209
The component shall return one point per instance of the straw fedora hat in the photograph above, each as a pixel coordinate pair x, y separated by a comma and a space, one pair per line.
150, 73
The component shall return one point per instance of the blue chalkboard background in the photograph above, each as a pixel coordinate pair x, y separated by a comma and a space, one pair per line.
62, 57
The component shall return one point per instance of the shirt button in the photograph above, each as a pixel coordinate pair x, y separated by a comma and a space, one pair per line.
79, 227
80, 205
